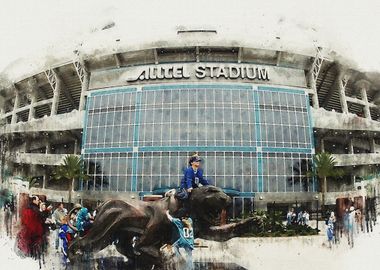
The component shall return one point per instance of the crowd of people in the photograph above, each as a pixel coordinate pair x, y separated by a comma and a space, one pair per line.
352, 223
300, 218
349, 225
41, 222
38, 221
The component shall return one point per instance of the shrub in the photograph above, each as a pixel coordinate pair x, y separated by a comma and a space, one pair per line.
290, 233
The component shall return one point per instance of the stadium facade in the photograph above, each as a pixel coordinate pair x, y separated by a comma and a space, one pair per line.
255, 115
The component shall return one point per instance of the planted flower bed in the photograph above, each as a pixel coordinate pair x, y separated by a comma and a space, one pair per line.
273, 226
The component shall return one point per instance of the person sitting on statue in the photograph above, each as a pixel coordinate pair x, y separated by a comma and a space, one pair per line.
193, 176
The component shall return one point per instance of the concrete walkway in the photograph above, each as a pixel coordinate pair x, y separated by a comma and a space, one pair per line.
311, 252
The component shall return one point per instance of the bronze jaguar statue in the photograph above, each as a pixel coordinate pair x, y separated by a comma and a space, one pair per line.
118, 222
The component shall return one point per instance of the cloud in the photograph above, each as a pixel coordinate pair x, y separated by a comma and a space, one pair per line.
34, 29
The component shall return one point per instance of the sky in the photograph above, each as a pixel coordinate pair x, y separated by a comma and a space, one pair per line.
32, 29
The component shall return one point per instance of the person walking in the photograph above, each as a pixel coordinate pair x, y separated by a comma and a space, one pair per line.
306, 217
58, 215
359, 221
368, 220
8, 216
351, 224
299, 218
330, 229
345, 221
289, 216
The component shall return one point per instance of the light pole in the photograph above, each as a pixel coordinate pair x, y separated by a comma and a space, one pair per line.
317, 198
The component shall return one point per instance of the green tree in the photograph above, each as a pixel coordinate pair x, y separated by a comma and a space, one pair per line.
324, 166
32, 180
69, 170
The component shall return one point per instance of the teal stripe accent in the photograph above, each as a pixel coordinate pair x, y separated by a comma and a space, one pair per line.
256, 103
137, 119
197, 86
143, 193
312, 141
136, 140
308, 110
279, 89
84, 135
108, 150
247, 194
111, 91
197, 148
134, 171
82, 171
260, 178
287, 150
171, 148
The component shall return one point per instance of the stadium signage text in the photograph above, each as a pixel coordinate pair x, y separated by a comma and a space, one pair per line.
201, 71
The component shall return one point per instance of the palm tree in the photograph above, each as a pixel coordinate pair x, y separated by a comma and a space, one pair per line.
32, 180
324, 166
70, 169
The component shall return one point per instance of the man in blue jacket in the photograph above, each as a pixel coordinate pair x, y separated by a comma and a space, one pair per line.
193, 176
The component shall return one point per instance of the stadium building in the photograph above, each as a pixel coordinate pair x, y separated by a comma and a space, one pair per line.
136, 112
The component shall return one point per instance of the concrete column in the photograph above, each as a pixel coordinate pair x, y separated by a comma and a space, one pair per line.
54, 107
83, 94
367, 112
315, 100
17, 101
32, 111
45, 178
47, 145
2, 106
313, 87
372, 145
351, 146
23, 170
27, 144
32, 95
364, 86
76, 147
33, 170
341, 88
56, 93
322, 145
3, 121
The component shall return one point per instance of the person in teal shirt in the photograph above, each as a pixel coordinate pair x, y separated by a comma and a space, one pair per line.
184, 230
83, 221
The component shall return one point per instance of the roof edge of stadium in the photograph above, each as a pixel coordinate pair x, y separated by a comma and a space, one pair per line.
104, 43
